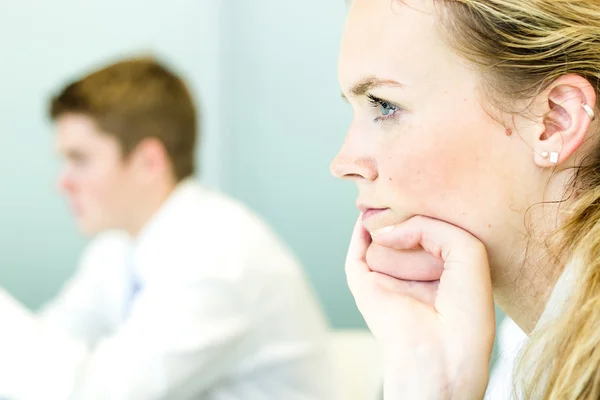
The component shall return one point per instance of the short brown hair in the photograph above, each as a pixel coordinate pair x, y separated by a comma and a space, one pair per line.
133, 100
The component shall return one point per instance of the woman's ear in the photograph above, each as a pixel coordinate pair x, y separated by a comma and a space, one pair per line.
569, 105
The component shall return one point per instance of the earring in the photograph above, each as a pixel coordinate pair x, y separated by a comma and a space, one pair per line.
590, 112
554, 157
545, 154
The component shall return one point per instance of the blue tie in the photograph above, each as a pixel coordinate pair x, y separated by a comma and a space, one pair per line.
135, 286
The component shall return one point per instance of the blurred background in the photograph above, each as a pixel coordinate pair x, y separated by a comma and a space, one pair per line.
264, 76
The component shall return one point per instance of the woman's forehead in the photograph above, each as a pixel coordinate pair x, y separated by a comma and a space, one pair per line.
399, 43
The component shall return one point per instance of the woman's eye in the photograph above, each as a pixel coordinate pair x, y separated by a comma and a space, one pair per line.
387, 109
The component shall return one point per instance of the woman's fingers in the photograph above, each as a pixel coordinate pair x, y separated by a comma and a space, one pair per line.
408, 265
465, 284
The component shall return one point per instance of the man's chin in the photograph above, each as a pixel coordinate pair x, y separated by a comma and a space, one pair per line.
87, 228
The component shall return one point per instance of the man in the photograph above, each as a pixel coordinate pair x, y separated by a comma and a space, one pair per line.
191, 296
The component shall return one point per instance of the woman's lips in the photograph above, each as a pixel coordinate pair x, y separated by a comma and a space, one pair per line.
370, 212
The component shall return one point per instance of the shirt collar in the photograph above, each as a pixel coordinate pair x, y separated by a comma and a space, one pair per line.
560, 294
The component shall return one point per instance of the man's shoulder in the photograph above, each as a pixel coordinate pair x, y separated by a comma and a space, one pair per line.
220, 215
217, 228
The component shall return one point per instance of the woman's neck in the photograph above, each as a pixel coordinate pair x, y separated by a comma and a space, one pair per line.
524, 292
525, 298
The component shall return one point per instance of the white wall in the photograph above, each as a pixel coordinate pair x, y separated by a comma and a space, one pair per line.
287, 123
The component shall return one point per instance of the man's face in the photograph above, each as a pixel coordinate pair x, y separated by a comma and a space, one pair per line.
95, 177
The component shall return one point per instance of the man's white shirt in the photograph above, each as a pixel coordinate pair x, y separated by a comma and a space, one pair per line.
206, 303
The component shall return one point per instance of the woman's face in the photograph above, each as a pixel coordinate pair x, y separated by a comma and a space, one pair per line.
421, 142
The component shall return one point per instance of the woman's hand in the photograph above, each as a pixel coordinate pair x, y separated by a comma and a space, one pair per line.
438, 335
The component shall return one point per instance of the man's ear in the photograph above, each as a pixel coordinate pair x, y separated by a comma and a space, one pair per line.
150, 158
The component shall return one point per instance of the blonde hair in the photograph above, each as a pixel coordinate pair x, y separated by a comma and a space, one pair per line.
521, 47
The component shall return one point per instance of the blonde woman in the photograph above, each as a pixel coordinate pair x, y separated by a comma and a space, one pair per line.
477, 159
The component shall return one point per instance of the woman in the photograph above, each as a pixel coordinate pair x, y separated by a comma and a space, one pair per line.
476, 156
